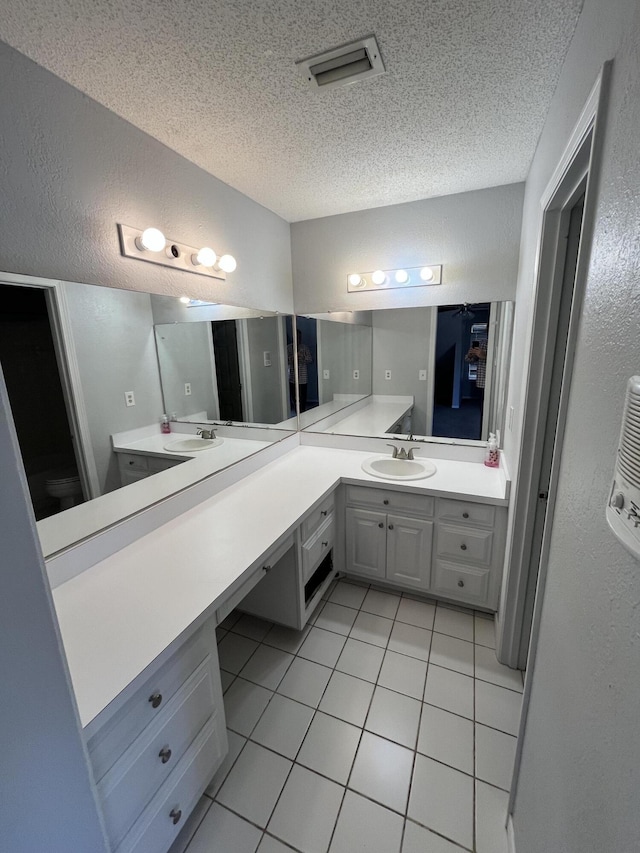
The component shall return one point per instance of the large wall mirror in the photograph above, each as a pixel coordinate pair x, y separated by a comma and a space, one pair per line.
90, 372
436, 372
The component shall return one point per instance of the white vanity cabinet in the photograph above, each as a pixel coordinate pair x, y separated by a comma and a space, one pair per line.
137, 466
154, 756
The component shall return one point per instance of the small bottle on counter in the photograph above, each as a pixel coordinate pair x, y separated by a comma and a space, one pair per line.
491, 457
165, 426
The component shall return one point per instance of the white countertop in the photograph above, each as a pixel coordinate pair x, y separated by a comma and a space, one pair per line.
119, 615
376, 418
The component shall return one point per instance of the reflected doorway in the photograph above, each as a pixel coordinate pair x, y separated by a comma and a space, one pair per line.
225, 349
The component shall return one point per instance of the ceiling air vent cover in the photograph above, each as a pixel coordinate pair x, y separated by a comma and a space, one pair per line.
343, 65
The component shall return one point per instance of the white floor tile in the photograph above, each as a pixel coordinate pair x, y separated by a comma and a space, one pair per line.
491, 817
336, 618
254, 784
287, 639
417, 839
495, 754
347, 698
371, 629
454, 623
498, 707
365, 827
190, 826
223, 831
244, 703
272, 845
418, 613
226, 678
252, 627
267, 667
283, 726
485, 631
410, 640
452, 653
305, 682
488, 669
395, 717
404, 674
307, 811
234, 651
330, 747
322, 647
327, 593
449, 690
447, 738
442, 799
348, 594
381, 603
236, 742
382, 771
361, 659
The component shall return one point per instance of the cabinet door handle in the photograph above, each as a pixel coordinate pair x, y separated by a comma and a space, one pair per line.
155, 699
323, 512
131, 462
380, 524
175, 815
164, 754
386, 501
391, 527
460, 583
267, 569
324, 544
465, 515
463, 547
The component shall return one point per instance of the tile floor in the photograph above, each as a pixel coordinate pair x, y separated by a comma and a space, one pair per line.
387, 726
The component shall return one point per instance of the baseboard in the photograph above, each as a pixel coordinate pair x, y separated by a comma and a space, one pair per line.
511, 841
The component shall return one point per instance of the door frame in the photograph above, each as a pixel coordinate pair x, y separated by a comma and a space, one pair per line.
69, 370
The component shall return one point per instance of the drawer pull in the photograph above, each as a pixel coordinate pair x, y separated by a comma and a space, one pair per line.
323, 511
175, 815
324, 544
460, 583
164, 754
465, 515
131, 462
267, 569
463, 547
380, 524
391, 527
155, 699
385, 501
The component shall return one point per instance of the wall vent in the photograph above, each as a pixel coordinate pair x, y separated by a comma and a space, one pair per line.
623, 509
343, 65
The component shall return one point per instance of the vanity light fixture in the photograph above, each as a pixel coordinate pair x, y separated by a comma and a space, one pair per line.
388, 279
151, 245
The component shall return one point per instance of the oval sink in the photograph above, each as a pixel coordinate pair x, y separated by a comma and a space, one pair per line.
192, 445
388, 468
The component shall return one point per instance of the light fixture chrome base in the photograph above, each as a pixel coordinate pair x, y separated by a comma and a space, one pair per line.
177, 256
386, 279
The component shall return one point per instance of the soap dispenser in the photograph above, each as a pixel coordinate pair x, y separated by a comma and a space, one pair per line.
491, 457
165, 426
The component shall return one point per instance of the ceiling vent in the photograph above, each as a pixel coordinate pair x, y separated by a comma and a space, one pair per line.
343, 65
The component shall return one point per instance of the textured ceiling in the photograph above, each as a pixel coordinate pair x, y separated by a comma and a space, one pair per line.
461, 106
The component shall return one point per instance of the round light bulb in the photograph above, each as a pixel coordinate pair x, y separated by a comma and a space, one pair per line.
227, 263
378, 277
185, 300
206, 257
355, 280
151, 240
402, 276
426, 274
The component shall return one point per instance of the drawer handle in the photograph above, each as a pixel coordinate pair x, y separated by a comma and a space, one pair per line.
324, 544
465, 515
175, 815
164, 754
380, 524
131, 462
267, 569
155, 699
460, 583
385, 501
463, 547
323, 511
391, 527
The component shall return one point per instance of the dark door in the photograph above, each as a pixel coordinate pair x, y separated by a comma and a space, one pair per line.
225, 348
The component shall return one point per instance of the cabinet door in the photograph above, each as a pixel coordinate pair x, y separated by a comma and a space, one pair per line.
409, 551
366, 542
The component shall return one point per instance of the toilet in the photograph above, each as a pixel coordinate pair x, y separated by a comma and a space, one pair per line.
64, 485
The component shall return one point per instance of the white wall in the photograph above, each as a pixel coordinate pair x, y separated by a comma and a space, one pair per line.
266, 381
185, 353
343, 348
580, 775
474, 235
72, 170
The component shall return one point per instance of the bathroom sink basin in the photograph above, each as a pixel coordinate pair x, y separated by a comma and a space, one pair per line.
192, 445
388, 468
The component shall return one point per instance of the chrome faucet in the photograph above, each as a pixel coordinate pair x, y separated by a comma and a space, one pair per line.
206, 433
401, 453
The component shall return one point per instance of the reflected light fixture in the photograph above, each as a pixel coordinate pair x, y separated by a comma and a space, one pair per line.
378, 277
388, 279
426, 274
402, 276
185, 300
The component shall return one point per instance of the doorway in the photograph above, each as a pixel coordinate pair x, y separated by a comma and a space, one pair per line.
225, 348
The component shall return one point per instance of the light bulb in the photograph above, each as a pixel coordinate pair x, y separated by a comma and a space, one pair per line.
185, 300
426, 274
151, 240
378, 277
206, 257
355, 280
227, 263
402, 276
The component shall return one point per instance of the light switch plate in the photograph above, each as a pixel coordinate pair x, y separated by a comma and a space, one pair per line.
129, 398
422, 375
387, 374
187, 389
356, 374
510, 418
266, 357
326, 374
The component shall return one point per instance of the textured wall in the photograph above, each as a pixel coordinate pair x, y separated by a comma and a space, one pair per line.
475, 235
185, 355
343, 348
72, 169
580, 775
266, 382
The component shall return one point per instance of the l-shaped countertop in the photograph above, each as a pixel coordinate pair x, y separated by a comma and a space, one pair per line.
119, 615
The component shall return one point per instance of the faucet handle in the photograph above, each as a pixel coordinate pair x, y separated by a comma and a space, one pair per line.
411, 449
395, 450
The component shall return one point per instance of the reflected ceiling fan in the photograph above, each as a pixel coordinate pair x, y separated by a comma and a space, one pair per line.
464, 311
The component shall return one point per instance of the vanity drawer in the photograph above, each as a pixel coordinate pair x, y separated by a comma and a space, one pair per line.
460, 582
316, 517
109, 743
133, 462
315, 549
388, 501
155, 830
460, 512
131, 783
461, 543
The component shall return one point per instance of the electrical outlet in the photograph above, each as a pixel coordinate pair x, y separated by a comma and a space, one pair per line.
266, 357
422, 375
326, 374
129, 398
387, 374
187, 389
356, 374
